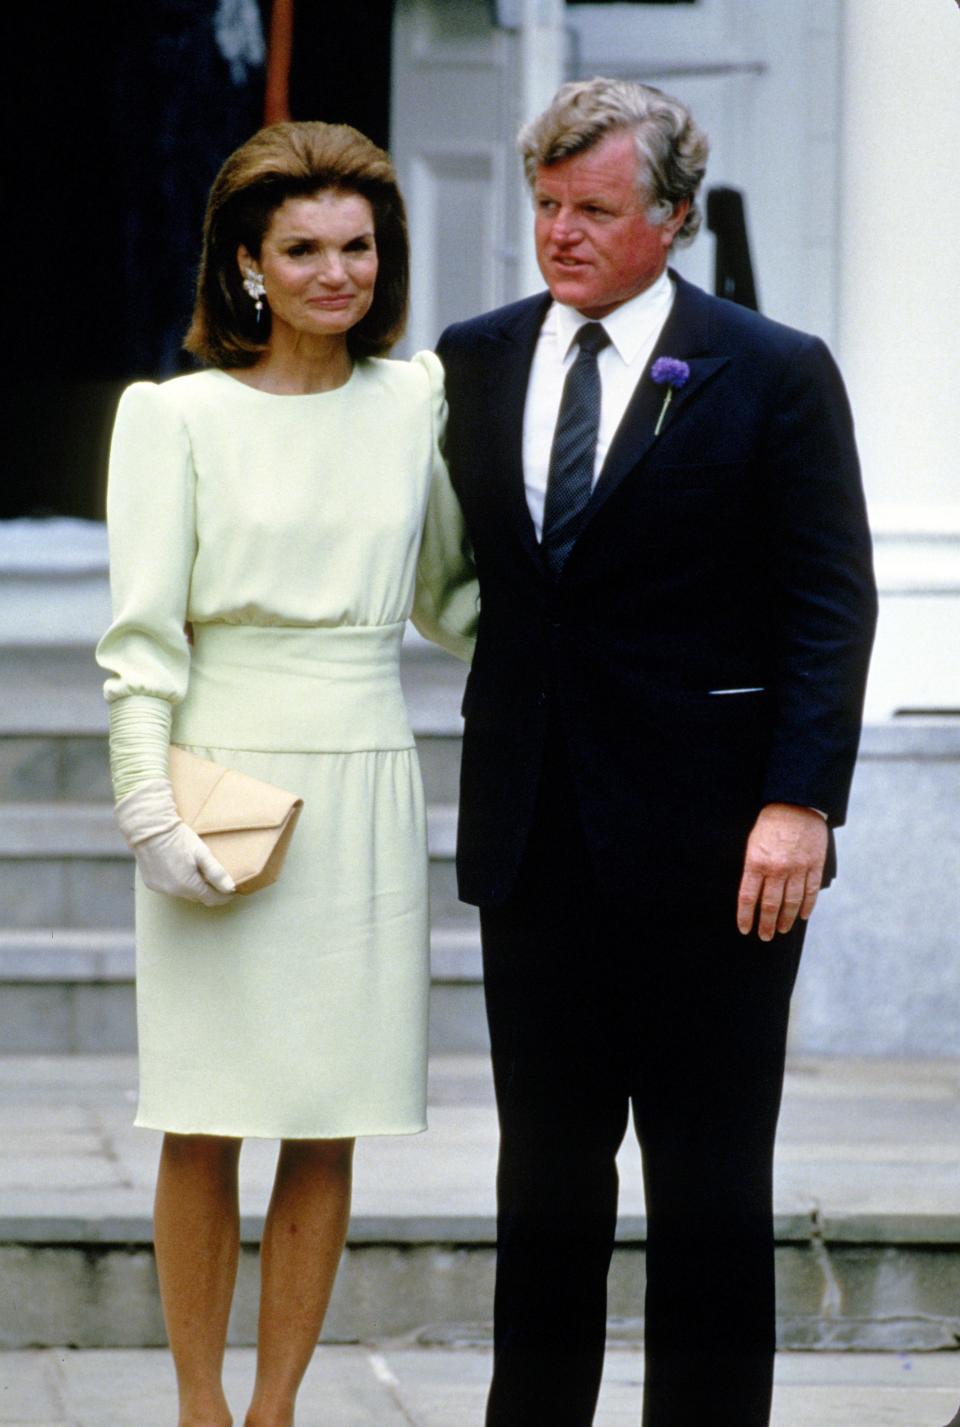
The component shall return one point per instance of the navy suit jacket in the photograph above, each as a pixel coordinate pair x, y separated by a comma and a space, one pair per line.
729, 552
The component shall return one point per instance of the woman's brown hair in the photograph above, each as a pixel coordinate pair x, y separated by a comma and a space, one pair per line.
280, 162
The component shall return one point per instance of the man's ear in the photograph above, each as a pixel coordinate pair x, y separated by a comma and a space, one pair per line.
676, 220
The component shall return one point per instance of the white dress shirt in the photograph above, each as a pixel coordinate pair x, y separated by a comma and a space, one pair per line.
633, 329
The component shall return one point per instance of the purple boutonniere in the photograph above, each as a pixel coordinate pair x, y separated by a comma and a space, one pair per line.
669, 372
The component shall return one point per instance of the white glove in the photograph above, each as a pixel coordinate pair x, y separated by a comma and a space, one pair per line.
170, 855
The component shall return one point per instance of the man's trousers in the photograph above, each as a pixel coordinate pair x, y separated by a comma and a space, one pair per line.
597, 1007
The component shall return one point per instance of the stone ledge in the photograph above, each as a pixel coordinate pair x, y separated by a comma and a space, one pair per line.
55, 689
917, 555
60, 829
854, 1231
433, 1278
923, 738
931, 1231
136, 1230
59, 546
455, 952
54, 686
47, 830
65, 955
58, 954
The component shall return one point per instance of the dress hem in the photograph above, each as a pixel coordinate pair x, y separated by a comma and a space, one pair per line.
142, 1123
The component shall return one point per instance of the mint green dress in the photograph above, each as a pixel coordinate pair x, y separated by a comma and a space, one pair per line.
296, 535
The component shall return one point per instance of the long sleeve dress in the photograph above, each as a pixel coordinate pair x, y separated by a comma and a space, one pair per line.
295, 534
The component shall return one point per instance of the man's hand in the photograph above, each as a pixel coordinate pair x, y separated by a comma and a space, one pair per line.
782, 870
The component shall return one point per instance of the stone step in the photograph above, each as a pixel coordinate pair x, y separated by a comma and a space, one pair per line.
867, 1212
70, 991
44, 767
106, 954
53, 720
65, 864
51, 688
74, 768
859, 991
58, 688
54, 830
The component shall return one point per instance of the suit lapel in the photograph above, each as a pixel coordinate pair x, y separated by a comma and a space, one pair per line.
509, 350
508, 358
685, 335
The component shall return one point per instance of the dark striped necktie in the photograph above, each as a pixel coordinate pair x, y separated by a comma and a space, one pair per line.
570, 477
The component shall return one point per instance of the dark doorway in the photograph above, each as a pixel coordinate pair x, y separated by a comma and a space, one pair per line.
118, 114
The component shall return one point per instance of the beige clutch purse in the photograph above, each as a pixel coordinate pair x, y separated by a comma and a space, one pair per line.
246, 823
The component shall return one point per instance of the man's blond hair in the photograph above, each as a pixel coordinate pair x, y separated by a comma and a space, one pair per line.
671, 149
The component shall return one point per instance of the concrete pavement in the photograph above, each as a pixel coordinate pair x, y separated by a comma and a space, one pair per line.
862, 1142
399, 1384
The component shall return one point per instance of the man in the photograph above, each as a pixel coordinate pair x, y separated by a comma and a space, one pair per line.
662, 718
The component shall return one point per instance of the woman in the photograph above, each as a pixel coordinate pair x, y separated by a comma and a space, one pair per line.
284, 505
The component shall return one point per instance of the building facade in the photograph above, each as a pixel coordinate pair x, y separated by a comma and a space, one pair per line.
838, 120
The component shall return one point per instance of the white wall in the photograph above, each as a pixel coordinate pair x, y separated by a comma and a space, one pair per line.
899, 295
761, 77
841, 121
899, 329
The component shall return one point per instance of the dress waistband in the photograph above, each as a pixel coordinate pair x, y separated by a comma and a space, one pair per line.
294, 688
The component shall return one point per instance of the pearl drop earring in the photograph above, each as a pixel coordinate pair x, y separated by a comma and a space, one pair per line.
253, 286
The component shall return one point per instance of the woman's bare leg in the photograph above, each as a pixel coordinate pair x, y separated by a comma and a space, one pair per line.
303, 1239
197, 1242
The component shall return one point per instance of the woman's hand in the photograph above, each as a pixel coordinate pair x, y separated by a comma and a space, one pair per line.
170, 855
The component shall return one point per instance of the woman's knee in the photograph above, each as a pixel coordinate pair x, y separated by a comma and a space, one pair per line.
213, 1154
331, 1158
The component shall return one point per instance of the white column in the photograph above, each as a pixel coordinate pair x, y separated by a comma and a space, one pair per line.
899, 327
900, 247
541, 72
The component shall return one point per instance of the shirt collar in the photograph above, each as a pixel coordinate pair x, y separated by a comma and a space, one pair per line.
628, 326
